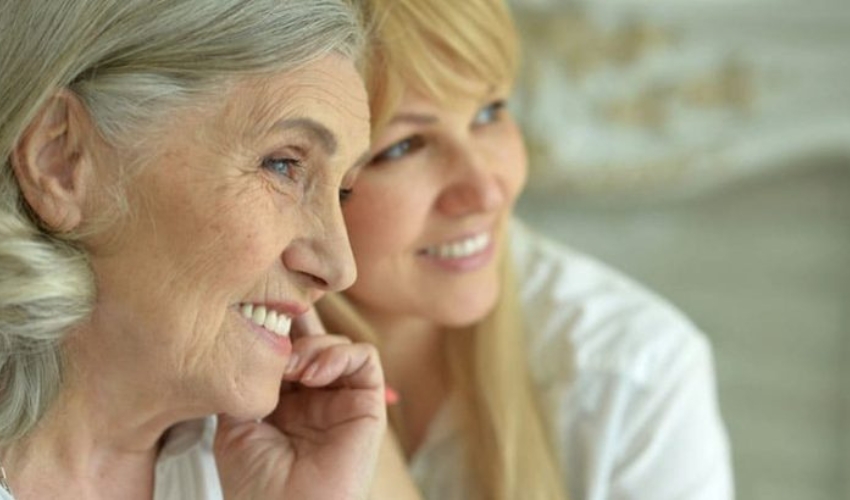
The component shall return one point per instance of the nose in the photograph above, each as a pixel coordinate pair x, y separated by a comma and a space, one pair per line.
474, 184
322, 258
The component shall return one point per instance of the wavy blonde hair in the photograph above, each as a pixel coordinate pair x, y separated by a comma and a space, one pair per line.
432, 47
129, 62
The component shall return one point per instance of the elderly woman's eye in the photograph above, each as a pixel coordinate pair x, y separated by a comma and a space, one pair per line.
286, 167
489, 113
399, 149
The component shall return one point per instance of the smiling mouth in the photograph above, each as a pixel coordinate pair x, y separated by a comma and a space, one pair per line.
460, 249
277, 323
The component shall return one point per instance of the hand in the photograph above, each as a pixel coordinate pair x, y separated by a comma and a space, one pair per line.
322, 440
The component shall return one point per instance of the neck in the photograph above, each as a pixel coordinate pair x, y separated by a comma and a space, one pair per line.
414, 365
75, 461
99, 439
410, 346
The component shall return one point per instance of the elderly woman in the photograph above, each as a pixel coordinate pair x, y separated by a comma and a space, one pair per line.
169, 207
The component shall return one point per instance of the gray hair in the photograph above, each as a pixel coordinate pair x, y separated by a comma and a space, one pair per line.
129, 61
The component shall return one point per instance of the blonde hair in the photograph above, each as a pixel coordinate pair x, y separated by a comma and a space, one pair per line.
129, 62
432, 47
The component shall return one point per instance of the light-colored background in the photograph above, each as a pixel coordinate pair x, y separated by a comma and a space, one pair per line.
704, 148
764, 269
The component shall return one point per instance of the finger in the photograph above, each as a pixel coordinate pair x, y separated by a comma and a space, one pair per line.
307, 324
304, 352
356, 366
230, 430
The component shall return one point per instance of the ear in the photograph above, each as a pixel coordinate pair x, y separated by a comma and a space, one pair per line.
52, 164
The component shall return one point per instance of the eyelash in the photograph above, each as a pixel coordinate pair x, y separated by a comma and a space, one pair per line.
399, 149
494, 111
293, 167
291, 163
404, 147
345, 194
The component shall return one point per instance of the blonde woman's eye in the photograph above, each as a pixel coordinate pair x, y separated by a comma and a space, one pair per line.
399, 149
489, 113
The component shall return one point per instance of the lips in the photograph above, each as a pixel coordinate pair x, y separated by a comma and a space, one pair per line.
273, 321
459, 249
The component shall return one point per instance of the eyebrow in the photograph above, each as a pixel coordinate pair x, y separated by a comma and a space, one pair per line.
325, 138
414, 118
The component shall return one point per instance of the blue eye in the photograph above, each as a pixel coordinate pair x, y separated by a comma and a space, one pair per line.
285, 167
399, 149
489, 113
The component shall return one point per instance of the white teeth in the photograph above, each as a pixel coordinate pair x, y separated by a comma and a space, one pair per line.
259, 316
247, 310
270, 320
460, 249
283, 325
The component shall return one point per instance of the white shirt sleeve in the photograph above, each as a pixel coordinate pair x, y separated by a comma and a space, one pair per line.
670, 443
628, 381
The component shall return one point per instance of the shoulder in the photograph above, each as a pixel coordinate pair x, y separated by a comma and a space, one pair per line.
608, 323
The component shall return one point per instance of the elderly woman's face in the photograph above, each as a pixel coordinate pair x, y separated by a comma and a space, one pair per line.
235, 228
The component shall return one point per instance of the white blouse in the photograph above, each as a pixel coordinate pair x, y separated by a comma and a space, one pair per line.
628, 382
186, 467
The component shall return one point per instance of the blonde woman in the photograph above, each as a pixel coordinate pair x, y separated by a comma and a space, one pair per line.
525, 370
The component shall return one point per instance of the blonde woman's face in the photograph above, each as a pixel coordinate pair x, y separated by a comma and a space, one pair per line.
430, 208
238, 207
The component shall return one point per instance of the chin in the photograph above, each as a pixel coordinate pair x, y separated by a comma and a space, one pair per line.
256, 401
254, 409
461, 322
471, 311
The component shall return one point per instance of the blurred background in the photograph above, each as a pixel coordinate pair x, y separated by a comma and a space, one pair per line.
703, 147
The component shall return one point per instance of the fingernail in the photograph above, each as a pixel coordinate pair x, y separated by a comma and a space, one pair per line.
292, 364
390, 396
310, 372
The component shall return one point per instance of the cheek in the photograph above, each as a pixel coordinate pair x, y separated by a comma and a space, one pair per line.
221, 257
382, 221
242, 253
226, 245
515, 156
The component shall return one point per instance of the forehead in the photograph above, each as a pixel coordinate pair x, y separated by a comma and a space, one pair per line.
329, 92
466, 92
